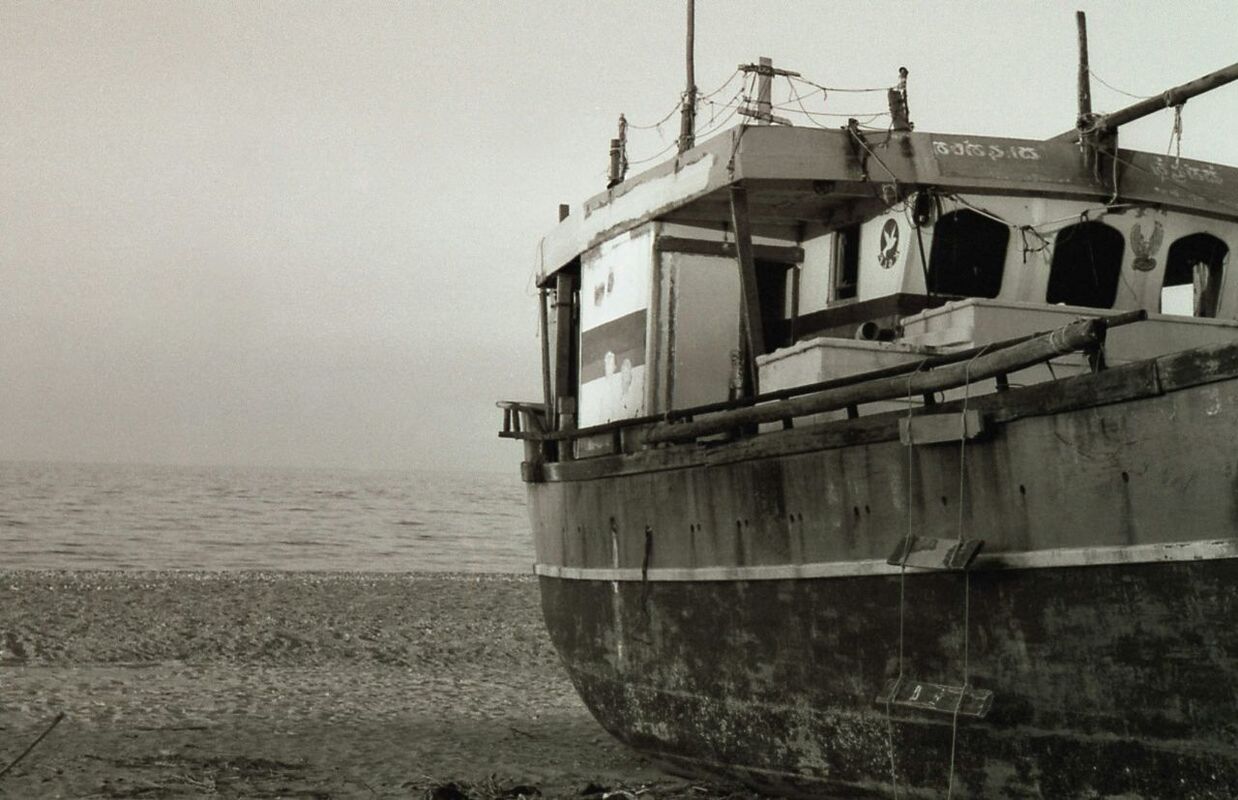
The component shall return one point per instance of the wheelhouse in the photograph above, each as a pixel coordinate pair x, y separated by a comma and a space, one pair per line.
770, 258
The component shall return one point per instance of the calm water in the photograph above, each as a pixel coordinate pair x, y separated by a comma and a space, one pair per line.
79, 516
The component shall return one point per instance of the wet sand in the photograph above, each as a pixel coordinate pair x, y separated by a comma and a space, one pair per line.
189, 684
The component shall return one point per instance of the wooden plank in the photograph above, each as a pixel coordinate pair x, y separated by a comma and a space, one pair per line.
966, 701
1119, 384
704, 247
1201, 365
751, 301
565, 352
1115, 385
937, 428
543, 321
927, 552
1066, 339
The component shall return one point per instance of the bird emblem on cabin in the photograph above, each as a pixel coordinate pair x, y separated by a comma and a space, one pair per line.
1145, 249
889, 244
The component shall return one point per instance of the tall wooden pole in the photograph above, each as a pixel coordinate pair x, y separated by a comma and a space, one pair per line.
687, 115
1085, 75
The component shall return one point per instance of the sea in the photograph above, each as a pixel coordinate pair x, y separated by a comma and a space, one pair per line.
131, 517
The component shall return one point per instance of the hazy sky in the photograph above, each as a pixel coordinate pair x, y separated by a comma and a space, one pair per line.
303, 233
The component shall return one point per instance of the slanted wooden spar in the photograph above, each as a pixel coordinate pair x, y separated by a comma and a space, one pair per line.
1067, 339
1107, 123
1168, 99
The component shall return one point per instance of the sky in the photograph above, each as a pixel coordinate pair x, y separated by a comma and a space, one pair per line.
303, 234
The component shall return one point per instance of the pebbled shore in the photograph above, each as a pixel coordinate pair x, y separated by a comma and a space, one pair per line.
340, 685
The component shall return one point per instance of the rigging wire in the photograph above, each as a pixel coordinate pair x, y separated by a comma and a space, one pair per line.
799, 100
711, 128
1119, 91
719, 89
679, 104
802, 79
732, 104
660, 122
656, 155
743, 97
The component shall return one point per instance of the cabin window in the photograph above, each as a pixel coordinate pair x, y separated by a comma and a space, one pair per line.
847, 263
1087, 263
968, 255
1193, 272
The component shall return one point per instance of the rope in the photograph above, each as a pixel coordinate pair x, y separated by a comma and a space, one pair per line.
32, 745
719, 89
802, 79
902, 583
812, 115
1175, 135
954, 723
1119, 91
731, 104
660, 122
656, 155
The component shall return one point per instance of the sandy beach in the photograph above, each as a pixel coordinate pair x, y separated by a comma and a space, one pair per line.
323, 685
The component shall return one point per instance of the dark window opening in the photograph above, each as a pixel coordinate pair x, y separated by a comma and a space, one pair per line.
847, 263
968, 255
772, 291
1087, 263
1193, 272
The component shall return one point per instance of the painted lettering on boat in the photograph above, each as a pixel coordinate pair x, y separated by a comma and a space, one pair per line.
993, 152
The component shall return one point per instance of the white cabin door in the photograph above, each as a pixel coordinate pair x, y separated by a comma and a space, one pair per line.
703, 299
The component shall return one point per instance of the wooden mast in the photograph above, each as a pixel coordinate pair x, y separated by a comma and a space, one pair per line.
687, 114
1085, 74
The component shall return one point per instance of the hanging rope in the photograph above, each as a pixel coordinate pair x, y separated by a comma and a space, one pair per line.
902, 582
954, 723
1175, 136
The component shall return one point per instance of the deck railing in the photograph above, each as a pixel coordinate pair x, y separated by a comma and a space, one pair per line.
924, 378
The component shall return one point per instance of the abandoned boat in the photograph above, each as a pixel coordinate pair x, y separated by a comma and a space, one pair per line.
899, 463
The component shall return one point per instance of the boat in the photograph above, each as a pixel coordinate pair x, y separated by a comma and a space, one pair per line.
898, 464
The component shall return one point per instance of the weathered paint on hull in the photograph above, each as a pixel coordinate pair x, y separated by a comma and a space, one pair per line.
727, 609
1117, 680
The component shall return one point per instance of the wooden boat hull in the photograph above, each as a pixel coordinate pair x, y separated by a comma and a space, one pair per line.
729, 611
1109, 680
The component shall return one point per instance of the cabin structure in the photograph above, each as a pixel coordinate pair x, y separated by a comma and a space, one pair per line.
769, 258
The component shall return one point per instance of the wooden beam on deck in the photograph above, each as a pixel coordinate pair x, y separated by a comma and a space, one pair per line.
751, 300
705, 247
565, 377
